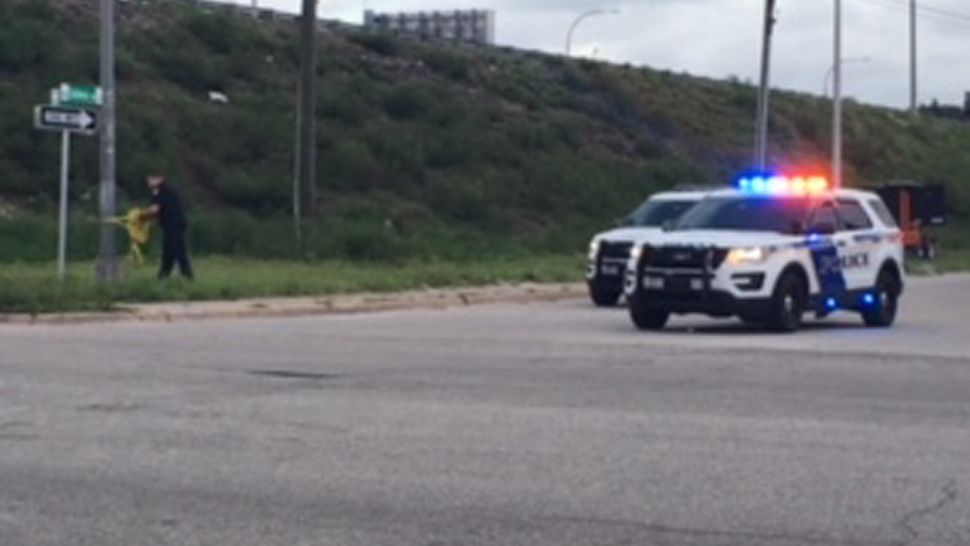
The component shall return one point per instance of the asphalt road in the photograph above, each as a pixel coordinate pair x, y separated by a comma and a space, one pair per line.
547, 424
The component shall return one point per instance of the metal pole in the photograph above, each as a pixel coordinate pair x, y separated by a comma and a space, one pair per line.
913, 99
297, 207
761, 129
107, 268
837, 100
62, 220
308, 105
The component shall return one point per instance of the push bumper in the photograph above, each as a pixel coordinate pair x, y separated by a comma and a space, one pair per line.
715, 303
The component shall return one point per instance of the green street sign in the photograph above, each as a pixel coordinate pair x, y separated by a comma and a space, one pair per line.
79, 95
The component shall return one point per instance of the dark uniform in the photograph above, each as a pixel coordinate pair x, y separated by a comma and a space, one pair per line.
171, 218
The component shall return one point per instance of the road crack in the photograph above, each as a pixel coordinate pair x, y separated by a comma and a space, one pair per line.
908, 521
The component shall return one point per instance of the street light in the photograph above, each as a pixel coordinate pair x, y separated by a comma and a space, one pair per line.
583, 16
913, 98
837, 98
828, 74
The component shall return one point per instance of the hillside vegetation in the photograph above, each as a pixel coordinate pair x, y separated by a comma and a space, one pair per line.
426, 150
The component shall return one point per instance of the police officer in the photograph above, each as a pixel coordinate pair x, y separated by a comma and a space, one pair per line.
167, 208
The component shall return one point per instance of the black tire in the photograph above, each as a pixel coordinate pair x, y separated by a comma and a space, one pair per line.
787, 303
604, 297
883, 313
645, 316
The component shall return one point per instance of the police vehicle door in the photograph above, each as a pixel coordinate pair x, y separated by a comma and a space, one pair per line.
856, 240
824, 243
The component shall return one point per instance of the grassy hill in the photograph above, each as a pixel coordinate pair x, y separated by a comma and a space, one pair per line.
426, 150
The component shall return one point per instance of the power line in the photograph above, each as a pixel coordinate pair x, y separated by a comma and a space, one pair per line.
933, 13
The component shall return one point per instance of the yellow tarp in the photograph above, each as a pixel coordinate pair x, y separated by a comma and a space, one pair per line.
138, 223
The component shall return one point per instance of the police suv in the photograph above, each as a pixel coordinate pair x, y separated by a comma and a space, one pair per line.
610, 250
768, 251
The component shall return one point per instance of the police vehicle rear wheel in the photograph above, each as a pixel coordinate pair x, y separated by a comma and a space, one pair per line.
883, 313
604, 297
787, 304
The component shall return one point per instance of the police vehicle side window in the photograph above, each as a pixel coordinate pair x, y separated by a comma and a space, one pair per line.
824, 216
853, 216
883, 212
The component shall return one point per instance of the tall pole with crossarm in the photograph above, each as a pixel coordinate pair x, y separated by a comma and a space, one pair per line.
108, 266
306, 192
761, 129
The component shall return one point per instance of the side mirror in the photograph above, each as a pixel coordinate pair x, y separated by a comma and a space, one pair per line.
823, 228
797, 228
621, 222
668, 225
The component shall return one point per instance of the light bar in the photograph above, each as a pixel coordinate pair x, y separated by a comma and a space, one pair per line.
783, 185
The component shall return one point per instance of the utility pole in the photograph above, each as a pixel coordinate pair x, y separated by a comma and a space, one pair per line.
108, 267
307, 111
761, 129
837, 100
913, 99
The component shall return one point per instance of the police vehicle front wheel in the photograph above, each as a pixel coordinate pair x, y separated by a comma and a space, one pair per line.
647, 317
883, 312
787, 304
603, 297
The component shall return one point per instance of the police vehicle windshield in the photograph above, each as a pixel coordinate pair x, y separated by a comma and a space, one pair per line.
748, 214
656, 213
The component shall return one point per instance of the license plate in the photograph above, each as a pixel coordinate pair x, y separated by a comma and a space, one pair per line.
653, 283
678, 286
611, 270
696, 284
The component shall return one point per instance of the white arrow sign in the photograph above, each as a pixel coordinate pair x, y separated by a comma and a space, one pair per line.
66, 118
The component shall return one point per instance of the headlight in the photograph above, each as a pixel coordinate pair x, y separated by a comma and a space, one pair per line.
594, 248
751, 255
635, 253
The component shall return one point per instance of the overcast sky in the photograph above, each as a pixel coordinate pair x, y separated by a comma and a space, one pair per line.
721, 38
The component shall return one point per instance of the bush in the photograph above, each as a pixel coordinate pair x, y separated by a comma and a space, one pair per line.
409, 101
449, 63
380, 43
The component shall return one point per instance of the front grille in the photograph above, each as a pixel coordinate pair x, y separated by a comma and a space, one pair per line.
615, 250
686, 257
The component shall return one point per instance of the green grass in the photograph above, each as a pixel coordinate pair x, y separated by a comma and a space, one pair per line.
949, 261
33, 288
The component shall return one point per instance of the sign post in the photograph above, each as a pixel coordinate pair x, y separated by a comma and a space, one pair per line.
50, 117
62, 220
67, 114
79, 95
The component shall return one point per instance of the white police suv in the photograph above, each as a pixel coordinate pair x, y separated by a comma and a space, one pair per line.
610, 250
768, 251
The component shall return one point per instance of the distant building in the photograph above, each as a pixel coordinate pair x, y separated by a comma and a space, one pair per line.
475, 26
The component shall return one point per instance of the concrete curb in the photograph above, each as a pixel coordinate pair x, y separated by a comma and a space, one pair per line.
308, 306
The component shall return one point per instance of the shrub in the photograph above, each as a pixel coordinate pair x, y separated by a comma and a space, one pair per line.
380, 43
409, 101
450, 63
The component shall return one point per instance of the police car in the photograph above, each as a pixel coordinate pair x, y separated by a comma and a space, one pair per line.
610, 250
768, 251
